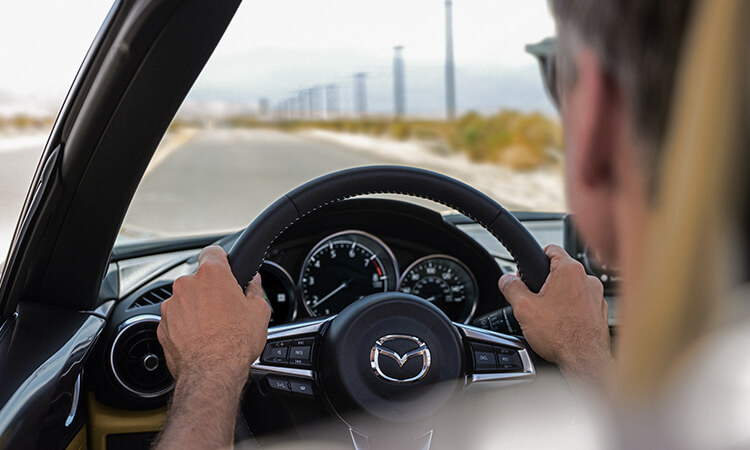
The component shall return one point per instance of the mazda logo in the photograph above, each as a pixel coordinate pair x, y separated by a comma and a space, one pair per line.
380, 349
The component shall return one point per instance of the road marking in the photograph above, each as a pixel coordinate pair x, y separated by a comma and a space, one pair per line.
170, 144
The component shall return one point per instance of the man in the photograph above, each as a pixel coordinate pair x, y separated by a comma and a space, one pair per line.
615, 65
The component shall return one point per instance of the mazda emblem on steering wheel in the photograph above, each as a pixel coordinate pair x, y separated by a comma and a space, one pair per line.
411, 347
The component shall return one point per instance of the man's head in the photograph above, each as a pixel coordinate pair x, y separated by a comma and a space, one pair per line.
616, 64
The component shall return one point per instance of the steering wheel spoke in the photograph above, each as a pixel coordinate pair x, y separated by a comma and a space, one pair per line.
495, 357
286, 364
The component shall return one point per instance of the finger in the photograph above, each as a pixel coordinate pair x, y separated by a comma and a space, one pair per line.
514, 290
213, 253
557, 256
555, 252
255, 287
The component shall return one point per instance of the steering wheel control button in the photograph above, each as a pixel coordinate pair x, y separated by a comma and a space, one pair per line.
508, 360
485, 361
276, 352
302, 387
484, 358
279, 384
300, 356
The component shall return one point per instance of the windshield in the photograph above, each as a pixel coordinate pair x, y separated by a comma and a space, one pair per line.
298, 89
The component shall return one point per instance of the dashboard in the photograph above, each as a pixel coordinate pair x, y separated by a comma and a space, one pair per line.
315, 268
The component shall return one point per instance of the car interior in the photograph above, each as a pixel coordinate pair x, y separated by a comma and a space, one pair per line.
80, 361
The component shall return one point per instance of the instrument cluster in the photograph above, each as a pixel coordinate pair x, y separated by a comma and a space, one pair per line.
348, 265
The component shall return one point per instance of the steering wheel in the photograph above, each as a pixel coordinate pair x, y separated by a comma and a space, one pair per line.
389, 360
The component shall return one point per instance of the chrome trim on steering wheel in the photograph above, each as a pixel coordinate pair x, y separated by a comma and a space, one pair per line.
490, 337
290, 331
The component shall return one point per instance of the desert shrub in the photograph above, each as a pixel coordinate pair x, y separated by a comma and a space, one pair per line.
399, 130
522, 141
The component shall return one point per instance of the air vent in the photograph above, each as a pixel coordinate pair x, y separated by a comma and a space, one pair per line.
153, 297
137, 359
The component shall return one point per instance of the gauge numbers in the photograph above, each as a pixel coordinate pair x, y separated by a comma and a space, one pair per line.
445, 282
343, 268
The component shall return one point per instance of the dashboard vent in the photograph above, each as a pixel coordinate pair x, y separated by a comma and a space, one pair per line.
137, 359
153, 297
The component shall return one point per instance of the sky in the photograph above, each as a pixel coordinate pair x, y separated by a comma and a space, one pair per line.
275, 48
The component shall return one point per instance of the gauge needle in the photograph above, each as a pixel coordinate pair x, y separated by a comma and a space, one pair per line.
430, 299
343, 285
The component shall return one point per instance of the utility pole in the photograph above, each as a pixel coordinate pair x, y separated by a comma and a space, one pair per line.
293, 109
314, 102
310, 103
301, 103
399, 94
332, 101
360, 94
450, 79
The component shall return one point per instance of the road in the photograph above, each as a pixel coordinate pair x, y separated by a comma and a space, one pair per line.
218, 180
221, 179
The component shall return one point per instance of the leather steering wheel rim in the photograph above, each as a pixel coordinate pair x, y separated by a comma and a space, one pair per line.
250, 248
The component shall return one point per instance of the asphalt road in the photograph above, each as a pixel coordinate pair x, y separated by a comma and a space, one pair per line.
221, 179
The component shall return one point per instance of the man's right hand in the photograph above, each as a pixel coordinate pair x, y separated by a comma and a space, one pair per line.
566, 322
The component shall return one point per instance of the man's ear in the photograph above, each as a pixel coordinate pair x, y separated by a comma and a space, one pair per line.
598, 119
593, 120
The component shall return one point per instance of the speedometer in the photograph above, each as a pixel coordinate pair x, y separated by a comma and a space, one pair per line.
445, 282
343, 268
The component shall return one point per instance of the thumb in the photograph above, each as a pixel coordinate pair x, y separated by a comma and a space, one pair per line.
513, 288
255, 288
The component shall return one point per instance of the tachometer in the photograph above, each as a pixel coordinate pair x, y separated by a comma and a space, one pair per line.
343, 268
445, 282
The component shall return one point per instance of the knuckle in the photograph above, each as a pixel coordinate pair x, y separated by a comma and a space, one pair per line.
178, 287
595, 284
160, 333
574, 268
208, 268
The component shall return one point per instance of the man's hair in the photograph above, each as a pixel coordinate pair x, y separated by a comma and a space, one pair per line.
638, 42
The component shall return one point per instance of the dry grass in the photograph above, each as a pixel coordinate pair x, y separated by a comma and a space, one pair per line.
25, 122
522, 141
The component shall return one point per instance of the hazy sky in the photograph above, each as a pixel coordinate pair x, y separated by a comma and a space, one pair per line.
274, 48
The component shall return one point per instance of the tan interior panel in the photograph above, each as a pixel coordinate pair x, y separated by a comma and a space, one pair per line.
105, 420
79, 441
